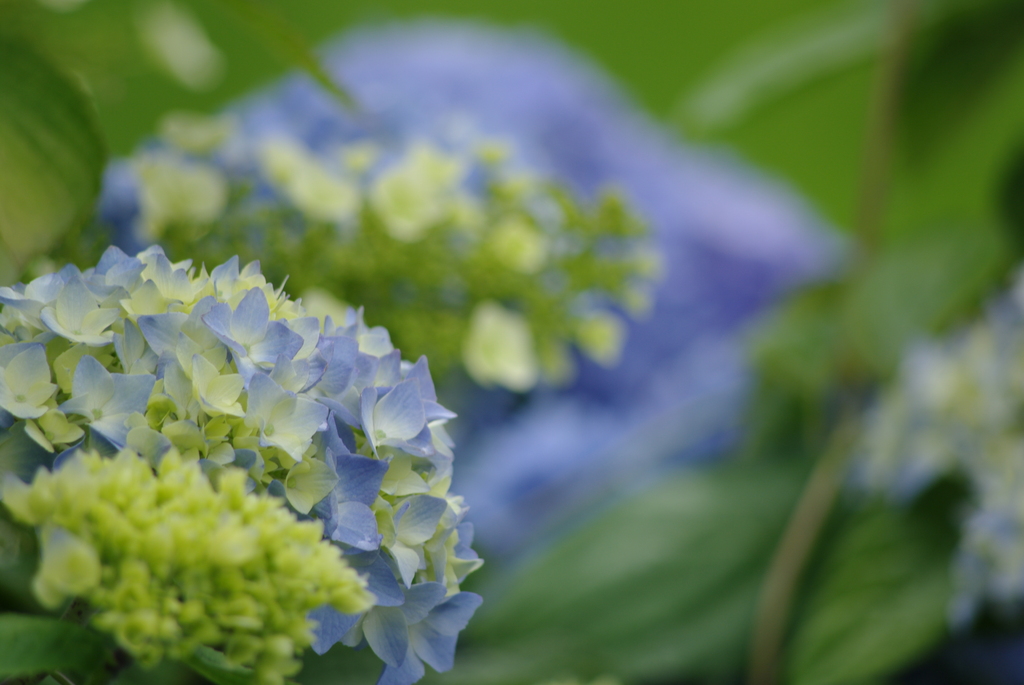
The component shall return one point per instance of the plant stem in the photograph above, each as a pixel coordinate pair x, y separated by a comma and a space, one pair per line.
772, 614
61, 678
883, 119
771, 618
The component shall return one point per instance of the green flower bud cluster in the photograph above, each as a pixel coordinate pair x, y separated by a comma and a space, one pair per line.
432, 241
171, 563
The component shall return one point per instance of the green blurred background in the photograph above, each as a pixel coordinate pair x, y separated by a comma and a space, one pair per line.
658, 50
811, 134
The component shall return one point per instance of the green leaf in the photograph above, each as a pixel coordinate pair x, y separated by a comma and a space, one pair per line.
782, 60
280, 36
957, 69
880, 601
796, 346
829, 41
1011, 199
51, 154
661, 586
918, 288
214, 666
860, 329
36, 644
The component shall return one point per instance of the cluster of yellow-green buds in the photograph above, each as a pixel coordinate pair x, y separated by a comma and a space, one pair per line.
224, 371
463, 253
171, 564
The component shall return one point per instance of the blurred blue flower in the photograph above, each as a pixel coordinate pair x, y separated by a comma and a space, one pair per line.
731, 243
954, 411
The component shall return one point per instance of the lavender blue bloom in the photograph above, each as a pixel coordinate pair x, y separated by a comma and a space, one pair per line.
731, 241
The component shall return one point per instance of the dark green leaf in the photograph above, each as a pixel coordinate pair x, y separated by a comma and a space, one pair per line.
956, 68
880, 601
1011, 199
213, 666
35, 644
51, 155
662, 585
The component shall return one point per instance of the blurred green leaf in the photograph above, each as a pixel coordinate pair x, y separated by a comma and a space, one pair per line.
51, 154
956, 67
966, 44
1011, 199
918, 287
880, 600
661, 585
35, 644
796, 346
857, 330
213, 666
281, 37
783, 60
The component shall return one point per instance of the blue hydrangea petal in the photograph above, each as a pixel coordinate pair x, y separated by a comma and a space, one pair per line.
278, 340
367, 403
345, 414
417, 520
218, 319
437, 650
264, 395
422, 445
420, 599
359, 478
386, 632
162, 330
420, 372
91, 380
9, 352
356, 526
366, 370
435, 412
381, 581
131, 393
409, 672
400, 414
452, 616
341, 365
389, 372
250, 319
332, 626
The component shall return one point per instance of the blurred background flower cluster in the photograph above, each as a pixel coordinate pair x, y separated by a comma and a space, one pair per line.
727, 296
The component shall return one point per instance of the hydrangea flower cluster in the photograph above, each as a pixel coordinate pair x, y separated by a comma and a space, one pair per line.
731, 242
142, 353
460, 251
955, 411
171, 564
